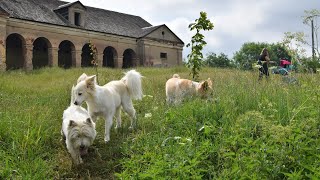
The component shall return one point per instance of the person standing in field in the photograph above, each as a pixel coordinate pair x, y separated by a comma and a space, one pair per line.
263, 61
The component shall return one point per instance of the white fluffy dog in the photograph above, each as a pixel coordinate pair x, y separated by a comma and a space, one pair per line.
178, 89
106, 101
78, 130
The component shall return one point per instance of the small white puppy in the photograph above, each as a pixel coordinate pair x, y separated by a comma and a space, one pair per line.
78, 130
178, 89
107, 100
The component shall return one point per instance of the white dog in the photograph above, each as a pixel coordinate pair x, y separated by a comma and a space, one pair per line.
177, 89
78, 130
106, 101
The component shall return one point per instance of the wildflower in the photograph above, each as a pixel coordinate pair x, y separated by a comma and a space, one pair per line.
201, 128
148, 96
257, 66
148, 115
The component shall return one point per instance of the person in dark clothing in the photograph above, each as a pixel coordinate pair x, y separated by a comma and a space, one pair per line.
264, 61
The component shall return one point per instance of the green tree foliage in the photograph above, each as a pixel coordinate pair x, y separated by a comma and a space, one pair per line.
197, 43
249, 54
221, 60
294, 43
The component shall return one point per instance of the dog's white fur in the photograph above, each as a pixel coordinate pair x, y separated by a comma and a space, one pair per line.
107, 100
78, 130
178, 89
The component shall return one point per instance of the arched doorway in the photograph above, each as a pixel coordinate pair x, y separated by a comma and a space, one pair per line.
129, 58
15, 45
65, 54
86, 56
40, 56
109, 57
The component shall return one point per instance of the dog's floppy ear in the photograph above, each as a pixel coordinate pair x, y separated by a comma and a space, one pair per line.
176, 76
82, 77
72, 95
72, 123
90, 81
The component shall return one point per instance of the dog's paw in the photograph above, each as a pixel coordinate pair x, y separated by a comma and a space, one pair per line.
106, 139
117, 127
133, 125
78, 161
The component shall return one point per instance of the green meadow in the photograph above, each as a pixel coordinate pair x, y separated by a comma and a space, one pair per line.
246, 130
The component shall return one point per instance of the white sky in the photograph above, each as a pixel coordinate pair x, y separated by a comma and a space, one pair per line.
235, 21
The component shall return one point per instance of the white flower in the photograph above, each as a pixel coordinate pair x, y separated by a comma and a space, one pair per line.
273, 67
148, 115
257, 66
201, 128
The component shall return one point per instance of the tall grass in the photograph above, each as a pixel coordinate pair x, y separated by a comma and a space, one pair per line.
247, 129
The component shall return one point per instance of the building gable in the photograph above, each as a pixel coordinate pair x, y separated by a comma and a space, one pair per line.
163, 33
74, 13
76, 4
3, 12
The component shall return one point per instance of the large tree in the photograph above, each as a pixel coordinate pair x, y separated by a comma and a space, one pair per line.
221, 60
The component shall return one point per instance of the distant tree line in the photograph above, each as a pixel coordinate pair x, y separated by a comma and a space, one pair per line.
246, 56
249, 53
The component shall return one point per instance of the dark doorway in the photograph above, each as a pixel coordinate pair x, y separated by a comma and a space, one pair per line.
14, 51
129, 57
65, 55
40, 56
86, 56
109, 57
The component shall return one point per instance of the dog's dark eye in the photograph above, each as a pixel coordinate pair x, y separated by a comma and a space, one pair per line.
79, 94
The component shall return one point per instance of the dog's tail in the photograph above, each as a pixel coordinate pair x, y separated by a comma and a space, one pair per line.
72, 96
132, 79
176, 76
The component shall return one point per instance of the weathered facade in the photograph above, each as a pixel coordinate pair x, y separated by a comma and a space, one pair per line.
38, 33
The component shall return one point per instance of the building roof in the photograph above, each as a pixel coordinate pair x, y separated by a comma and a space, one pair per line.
98, 20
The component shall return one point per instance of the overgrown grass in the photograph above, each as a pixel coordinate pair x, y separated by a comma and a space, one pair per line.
248, 129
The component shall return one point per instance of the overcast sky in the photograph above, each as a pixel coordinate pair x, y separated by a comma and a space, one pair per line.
235, 21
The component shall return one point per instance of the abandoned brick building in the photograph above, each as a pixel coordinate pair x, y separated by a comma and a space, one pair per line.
39, 33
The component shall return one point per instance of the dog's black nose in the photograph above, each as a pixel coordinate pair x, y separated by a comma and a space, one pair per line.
82, 146
75, 103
